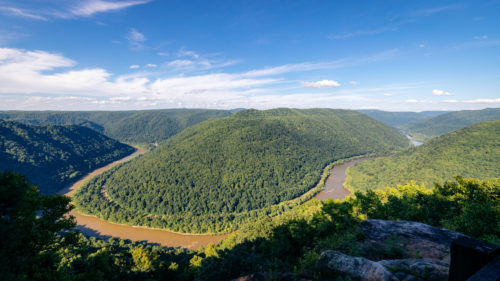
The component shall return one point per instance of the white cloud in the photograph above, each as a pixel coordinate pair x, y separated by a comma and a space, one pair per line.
91, 7
321, 84
23, 13
189, 61
497, 100
388, 95
136, 36
186, 53
435, 10
360, 33
353, 83
70, 9
134, 66
483, 37
437, 92
151, 65
56, 82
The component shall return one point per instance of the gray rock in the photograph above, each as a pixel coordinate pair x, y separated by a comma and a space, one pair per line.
417, 269
276, 276
354, 267
419, 240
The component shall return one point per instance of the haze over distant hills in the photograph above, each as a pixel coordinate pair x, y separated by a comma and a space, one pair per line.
398, 119
144, 126
425, 129
52, 156
473, 151
247, 161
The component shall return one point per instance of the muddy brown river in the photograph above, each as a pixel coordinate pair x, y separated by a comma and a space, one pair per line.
93, 226
334, 185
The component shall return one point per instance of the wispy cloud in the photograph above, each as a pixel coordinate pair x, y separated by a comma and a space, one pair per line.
484, 101
482, 37
435, 10
95, 88
437, 92
360, 33
70, 9
91, 7
135, 38
321, 84
23, 13
134, 66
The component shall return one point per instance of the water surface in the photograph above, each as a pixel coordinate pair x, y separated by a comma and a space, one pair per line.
93, 226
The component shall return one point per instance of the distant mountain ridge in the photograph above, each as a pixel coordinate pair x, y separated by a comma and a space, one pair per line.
425, 129
473, 151
398, 119
141, 126
200, 179
52, 156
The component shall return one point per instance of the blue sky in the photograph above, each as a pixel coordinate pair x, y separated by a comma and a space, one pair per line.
147, 54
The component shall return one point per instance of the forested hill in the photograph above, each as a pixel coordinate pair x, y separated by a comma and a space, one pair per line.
53, 156
399, 119
473, 151
145, 126
425, 129
250, 160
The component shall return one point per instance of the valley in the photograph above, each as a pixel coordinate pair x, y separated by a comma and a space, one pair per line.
93, 226
254, 190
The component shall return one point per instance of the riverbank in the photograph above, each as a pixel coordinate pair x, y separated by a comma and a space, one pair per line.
93, 226
334, 185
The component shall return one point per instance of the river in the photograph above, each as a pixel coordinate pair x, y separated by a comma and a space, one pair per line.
93, 226
334, 185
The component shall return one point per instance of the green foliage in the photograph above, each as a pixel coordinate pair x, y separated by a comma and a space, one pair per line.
142, 126
219, 173
399, 119
28, 229
473, 151
291, 242
469, 206
51, 156
425, 129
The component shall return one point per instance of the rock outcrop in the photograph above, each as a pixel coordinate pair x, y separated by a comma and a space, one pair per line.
356, 268
265, 276
417, 239
417, 269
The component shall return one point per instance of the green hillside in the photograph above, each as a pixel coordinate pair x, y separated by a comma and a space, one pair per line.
399, 119
53, 156
473, 151
425, 129
145, 126
208, 175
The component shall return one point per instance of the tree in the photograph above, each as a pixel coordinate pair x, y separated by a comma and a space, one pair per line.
29, 227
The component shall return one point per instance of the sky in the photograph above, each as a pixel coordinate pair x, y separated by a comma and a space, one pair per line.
150, 54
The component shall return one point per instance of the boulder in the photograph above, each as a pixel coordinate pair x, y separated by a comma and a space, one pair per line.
276, 276
418, 240
356, 268
417, 269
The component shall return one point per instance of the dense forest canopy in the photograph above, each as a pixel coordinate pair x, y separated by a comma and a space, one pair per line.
144, 126
37, 247
473, 151
399, 119
248, 161
53, 156
425, 129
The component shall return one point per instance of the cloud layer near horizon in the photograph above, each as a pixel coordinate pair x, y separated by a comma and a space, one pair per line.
43, 80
